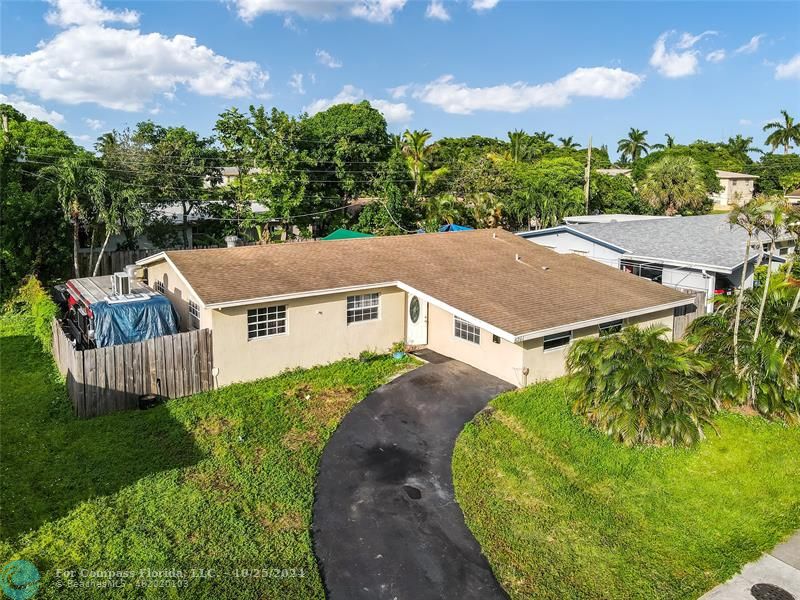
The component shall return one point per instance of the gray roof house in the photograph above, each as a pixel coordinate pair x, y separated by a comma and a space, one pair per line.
700, 254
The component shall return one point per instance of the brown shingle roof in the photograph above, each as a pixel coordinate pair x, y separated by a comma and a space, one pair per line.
471, 271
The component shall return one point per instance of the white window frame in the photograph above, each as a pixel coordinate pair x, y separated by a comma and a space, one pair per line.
265, 318
554, 337
603, 328
466, 331
194, 313
363, 308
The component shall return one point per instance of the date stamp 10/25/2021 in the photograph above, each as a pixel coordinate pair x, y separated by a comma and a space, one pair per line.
164, 578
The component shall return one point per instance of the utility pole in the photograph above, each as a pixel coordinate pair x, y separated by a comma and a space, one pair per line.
588, 175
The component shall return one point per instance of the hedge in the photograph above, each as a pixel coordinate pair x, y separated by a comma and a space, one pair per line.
33, 300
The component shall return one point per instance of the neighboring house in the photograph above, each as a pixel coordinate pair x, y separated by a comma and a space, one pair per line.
703, 253
614, 171
737, 188
486, 297
793, 196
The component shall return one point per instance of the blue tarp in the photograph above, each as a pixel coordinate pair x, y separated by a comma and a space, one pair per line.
454, 227
126, 322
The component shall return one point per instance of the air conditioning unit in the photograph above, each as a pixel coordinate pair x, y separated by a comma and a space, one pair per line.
120, 284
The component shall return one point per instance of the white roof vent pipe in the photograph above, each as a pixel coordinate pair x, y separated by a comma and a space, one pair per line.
231, 241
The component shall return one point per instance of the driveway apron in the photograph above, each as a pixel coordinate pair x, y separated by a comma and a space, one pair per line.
386, 523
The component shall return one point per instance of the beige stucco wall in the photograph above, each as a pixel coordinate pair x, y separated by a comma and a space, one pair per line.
544, 365
503, 360
734, 192
318, 333
178, 293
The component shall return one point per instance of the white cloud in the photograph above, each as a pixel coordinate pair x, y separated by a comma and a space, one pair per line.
125, 69
87, 12
790, 69
436, 10
399, 92
458, 98
750, 46
716, 56
681, 59
745, 122
393, 112
296, 83
377, 11
94, 124
326, 59
688, 40
31, 110
484, 4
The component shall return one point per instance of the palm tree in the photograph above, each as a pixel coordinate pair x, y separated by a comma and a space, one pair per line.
567, 142
785, 133
774, 215
634, 146
674, 183
519, 146
749, 217
640, 387
741, 146
440, 210
106, 143
486, 209
80, 187
123, 208
415, 149
670, 143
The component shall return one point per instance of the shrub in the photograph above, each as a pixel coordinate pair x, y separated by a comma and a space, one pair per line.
640, 388
32, 299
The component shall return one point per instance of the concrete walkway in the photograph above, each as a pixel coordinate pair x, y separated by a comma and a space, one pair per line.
779, 568
386, 524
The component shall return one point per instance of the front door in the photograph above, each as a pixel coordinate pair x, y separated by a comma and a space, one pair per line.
416, 321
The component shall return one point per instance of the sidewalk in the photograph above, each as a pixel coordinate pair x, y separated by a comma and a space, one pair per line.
780, 568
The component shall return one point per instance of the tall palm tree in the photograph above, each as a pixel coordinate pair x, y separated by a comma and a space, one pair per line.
785, 133
440, 210
634, 146
567, 142
415, 149
81, 188
519, 145
749, 217
773, 216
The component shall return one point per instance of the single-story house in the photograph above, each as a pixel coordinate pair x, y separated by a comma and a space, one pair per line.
486, 297
701, 254
793, 196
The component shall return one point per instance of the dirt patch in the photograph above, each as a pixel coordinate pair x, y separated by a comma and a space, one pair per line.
295, 438
213, 426
273, 518
745, 410
215, 480
329, 406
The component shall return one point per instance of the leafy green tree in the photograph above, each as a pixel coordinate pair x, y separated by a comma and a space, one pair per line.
395, 211
783, 133
767, 374
673, 185
614, 195
441, 210
771, 168
634, 146
81, 187
639, 387
34, 238
544, 192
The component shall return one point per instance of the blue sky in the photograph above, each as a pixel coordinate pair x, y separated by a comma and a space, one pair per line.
696, 70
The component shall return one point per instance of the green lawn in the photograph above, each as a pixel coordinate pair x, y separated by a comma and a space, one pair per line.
219, 481
563, 512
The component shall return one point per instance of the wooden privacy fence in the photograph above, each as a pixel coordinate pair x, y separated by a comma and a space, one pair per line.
105, 380
684, 315
111, 262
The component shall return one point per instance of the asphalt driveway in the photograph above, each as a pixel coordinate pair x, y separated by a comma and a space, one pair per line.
386, 524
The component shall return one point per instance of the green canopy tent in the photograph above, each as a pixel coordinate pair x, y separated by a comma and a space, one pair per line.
346, 234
